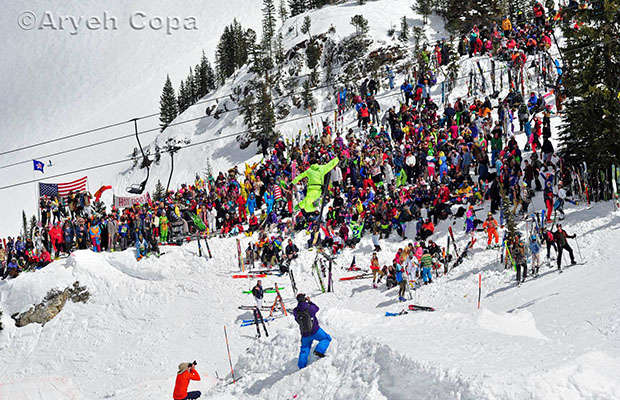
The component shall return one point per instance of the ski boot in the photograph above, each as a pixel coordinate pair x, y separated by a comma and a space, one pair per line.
319, 355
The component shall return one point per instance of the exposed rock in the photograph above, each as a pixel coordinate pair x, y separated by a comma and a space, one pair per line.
51, 305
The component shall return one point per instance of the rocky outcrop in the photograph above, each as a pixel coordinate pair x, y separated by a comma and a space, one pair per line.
51, 305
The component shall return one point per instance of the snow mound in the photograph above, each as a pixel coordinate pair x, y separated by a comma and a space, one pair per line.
355, 368
518, 323
591, 376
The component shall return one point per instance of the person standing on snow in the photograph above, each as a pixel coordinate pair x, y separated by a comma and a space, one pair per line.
560, 237
400, 279
257, 292
535, 251
560, 198
518, 255
305, 315
490, 227
426, 261
187, 372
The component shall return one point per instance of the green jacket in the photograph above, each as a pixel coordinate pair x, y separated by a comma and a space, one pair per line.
316, 173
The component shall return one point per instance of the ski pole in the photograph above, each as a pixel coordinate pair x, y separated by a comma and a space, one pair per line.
579, 250
232, 373
479, 289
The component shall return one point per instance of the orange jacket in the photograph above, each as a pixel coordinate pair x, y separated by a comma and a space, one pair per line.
182, 382
490, 225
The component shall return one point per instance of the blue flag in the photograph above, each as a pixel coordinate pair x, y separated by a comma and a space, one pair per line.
38, 165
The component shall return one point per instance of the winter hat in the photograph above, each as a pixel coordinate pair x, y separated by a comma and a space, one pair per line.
301, 297
183, 367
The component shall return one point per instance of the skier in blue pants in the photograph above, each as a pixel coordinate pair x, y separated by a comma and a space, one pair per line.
305, 315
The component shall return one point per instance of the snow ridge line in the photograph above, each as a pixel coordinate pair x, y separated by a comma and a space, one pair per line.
355, 367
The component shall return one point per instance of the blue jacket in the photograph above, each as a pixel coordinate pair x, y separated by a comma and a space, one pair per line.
399, 273
534, 247
406, 88
312, 309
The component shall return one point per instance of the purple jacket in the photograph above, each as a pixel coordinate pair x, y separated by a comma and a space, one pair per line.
312, 309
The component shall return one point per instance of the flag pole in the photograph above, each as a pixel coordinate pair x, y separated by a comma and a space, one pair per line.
37, 196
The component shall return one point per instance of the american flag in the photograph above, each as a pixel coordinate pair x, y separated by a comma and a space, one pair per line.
62, 189
277, 193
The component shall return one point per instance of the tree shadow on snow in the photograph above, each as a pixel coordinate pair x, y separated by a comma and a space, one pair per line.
532, 302
387, 303
514, 284
360, 289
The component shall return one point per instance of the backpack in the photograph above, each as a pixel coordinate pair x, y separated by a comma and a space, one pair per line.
550, 236
304, 319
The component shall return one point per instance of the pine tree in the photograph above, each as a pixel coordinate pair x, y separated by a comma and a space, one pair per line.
269, 23
206, 76
424, 8
181, 98
306, 96
167, 105
297, 7
266, 120
360, 23
509, 215
313, 54
248, 110
306, 26
25, 225
282, 11
404, 29
478, 12
159, 192
591, 80
33, 225
190, 86
279, 51
232, 50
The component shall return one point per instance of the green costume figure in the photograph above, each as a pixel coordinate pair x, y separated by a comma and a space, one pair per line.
315, 175
163, 228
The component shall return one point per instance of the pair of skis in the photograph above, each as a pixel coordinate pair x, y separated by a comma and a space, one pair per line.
317, 272
248, 276
258, 317
412, 307
200, 247
360, 276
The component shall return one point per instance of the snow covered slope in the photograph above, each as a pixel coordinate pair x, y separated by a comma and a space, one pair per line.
57, 83
214, 140
555, 337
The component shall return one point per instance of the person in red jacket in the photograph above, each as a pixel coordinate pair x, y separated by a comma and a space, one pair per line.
187, 372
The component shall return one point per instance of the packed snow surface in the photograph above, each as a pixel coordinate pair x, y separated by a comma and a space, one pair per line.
554, 337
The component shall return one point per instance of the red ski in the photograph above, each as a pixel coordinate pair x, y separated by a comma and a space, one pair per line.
362, 276
249, 276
